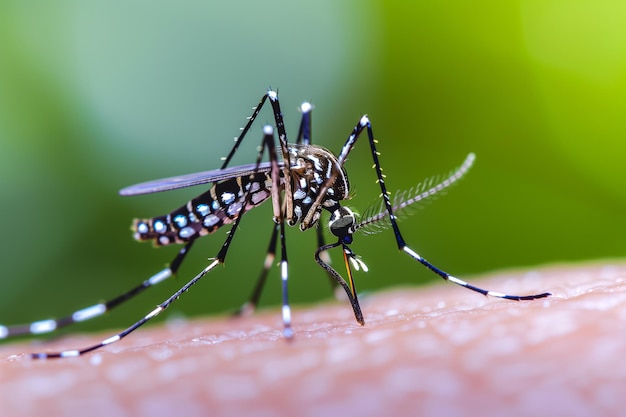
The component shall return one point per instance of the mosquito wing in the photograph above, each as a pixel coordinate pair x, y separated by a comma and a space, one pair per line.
197, 178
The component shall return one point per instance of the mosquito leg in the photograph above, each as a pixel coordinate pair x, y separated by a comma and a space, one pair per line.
219, 259
325, 257
365, 123
284, 276
160, 276
96, 310
279, 212
350, 291
144, 320
278, 117
256, 110
305, 137
46, 326
288, 212
304, 132
462, 283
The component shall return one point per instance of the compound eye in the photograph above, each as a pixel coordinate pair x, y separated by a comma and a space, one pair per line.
341, 224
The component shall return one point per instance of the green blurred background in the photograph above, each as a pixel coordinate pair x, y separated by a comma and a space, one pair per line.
98, 95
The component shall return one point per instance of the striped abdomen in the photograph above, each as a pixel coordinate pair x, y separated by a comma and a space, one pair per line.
206, 213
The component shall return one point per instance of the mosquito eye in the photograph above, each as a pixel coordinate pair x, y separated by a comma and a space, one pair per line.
342, 224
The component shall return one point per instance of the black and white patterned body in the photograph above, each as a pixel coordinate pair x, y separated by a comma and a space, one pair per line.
313, 169
206, 213
306, 181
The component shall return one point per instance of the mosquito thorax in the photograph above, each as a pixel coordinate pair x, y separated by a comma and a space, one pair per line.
315, 172
341, 224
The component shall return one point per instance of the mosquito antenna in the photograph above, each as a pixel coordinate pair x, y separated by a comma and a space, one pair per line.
375, 218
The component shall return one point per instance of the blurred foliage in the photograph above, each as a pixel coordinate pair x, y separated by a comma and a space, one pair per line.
98, 95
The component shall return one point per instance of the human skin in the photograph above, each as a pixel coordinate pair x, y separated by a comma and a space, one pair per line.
438, 350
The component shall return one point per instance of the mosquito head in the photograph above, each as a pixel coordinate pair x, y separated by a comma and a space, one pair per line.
341, 224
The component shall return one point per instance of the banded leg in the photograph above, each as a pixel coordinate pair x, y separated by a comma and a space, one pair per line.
96, 310
304, 131
364, 123
144, 320
253, 301
304, 137
287, 212
278, 118
268, 142
284, 278
283, 209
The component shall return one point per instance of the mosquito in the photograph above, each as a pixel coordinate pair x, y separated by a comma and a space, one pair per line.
303, 182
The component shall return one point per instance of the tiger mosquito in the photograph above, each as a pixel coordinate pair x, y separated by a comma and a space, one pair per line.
304, 181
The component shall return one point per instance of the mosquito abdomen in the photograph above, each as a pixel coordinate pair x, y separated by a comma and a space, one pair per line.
206, 213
